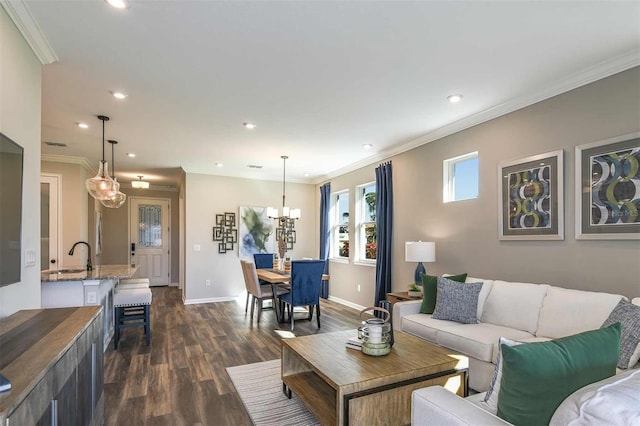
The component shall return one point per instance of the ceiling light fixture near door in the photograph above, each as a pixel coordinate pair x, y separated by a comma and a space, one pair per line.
286, 231
454, 99
101, 186
118, 198
139, 184
131, 154
248, 125
367, 146
82, 125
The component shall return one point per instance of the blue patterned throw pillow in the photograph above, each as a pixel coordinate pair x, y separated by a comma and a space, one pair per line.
457, 301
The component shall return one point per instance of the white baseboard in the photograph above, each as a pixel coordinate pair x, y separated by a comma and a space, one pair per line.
346, 303
208, 300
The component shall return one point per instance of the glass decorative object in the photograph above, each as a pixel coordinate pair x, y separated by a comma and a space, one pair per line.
376, 333
101, 186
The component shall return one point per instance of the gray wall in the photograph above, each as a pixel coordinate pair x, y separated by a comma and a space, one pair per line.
466, 232
206, 196
20, 89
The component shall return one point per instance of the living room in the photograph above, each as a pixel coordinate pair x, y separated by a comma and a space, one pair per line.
578, 110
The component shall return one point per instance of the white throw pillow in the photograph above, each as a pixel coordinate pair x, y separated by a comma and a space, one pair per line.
612, 401
491, 397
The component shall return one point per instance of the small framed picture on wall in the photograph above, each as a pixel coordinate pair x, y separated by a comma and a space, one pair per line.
608, 189
530, 192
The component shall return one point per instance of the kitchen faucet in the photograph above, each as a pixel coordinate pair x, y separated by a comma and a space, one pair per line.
89, 266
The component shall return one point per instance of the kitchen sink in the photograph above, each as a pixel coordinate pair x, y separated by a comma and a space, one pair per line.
70, 270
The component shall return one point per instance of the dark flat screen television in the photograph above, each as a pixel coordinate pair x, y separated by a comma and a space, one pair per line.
11, 162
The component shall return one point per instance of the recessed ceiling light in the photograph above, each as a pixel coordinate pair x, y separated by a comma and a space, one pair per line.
119, 95
131, 154
82, 125
249, 126
306, 175
118, 4
254, 166
454, 99
219, 164
367, 146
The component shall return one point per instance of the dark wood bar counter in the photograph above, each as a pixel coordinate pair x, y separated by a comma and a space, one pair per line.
54, 360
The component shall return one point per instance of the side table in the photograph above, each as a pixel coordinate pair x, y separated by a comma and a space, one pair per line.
400, 296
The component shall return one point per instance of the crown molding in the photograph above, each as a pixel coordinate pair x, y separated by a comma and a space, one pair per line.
82, 161
30, 30
591, 74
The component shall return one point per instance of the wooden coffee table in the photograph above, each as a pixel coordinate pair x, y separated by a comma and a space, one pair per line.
343, 386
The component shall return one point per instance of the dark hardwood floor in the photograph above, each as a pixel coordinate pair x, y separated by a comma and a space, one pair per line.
180, 379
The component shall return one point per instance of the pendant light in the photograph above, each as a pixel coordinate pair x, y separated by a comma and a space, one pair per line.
286, 228
118, 198
101, 186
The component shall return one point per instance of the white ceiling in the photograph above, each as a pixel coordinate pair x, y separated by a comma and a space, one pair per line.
319, 78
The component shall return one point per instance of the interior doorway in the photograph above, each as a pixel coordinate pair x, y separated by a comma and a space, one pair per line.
150, 244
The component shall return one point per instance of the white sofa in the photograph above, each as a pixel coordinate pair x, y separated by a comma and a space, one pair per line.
612, 401
519, 311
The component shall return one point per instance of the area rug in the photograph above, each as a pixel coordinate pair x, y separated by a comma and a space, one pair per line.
260, 388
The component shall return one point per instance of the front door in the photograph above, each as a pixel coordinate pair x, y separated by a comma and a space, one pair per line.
149, 238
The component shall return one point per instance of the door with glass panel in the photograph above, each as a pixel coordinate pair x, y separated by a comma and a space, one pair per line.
49, 214
149, 239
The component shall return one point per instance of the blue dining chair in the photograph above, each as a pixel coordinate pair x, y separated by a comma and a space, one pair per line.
306, 277
263, 260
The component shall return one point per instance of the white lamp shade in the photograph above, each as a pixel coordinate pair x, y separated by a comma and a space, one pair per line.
295, 214
419, 251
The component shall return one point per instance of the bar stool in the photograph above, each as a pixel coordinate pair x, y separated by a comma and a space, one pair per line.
132, 309
131, 283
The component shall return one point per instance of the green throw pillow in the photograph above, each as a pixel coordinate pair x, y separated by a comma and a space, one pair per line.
537, 377
430, 291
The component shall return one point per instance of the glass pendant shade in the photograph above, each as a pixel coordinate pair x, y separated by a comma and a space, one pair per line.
101, 186
117, 200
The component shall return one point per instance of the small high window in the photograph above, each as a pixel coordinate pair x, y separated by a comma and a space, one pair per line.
460, 178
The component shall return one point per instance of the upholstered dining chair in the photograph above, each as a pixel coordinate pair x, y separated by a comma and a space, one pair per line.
262, 261
259, 292
306, 276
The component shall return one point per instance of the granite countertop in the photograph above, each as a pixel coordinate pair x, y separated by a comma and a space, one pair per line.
80, 273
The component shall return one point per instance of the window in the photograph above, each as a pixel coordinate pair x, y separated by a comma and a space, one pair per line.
340, 225
366, 217
460, 178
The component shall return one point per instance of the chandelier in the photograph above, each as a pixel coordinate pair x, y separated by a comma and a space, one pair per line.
101, 186
286, 228
118, 198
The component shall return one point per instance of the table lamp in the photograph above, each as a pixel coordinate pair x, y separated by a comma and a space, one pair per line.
419, 251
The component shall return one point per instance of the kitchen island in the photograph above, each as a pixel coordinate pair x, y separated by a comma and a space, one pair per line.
72, 287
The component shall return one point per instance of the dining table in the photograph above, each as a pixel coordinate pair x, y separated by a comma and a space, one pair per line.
275, 277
